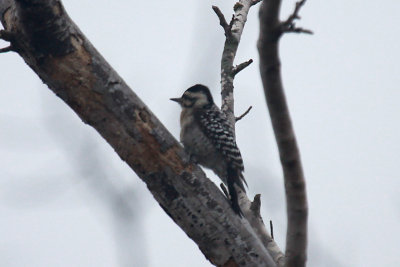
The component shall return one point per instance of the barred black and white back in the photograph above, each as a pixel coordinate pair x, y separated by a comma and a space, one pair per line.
216, 127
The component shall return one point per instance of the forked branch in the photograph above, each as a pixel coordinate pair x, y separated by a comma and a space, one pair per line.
289, 25
233, 32
222, 21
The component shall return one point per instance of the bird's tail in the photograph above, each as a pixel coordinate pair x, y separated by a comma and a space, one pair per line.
235, 177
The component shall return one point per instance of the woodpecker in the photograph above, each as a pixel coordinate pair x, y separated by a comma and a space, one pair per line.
209, 139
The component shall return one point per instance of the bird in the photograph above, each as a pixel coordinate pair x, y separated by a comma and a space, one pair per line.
209, 139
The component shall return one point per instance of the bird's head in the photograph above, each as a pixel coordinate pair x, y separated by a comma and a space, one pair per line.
197, 96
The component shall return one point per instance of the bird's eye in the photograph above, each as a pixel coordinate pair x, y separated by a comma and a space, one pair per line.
191, 99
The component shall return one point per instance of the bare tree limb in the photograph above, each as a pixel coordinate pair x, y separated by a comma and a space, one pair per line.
244, 114
222, 21
289, 24
295, 188
271, 226
241, 66
54, 47
251, 212
228, 72
294, 29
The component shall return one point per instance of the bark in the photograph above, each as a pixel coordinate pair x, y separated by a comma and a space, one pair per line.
41, 32
271, 29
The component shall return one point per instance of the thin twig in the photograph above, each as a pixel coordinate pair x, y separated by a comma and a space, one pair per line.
295, 14
289, 24
244, 114
293, 28
272, 228
222, 21
241, 66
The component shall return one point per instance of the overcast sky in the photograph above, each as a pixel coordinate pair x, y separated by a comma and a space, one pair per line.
66, 199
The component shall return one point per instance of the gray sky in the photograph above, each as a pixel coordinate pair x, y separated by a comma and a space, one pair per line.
58, 177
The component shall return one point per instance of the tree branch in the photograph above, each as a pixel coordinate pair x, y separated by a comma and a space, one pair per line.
241, 66
289, 24
271, 226
251, 212
270, 68
244, 114
222, 21
53, 46
228, 73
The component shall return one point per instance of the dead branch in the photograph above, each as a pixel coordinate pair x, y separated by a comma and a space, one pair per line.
271, 226
222, 21
244, 114
289, 24
228, 72
241, 66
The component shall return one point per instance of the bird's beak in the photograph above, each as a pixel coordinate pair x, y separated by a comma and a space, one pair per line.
178, 99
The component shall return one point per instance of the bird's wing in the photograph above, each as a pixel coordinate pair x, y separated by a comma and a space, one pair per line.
215, 126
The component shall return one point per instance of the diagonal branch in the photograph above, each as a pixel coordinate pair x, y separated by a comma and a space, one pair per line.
241, 67
222, 21
295, 14
295, 187
244, 114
